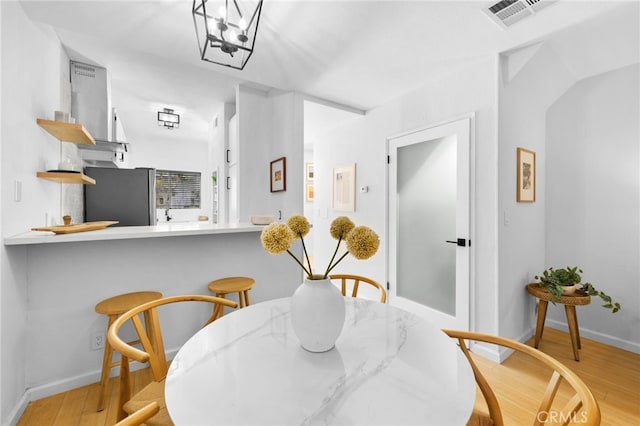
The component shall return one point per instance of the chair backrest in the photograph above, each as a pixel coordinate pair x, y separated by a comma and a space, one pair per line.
577, 404
357, 279
150, 336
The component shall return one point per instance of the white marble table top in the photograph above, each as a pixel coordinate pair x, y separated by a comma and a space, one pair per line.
389, 367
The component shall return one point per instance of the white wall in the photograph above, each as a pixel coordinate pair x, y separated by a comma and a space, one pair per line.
31, 82
576, 172
320, 119
593, 198
269, 127
523, 101
288, 138
255, 135
342, 146
2, 260
308, 206
470, 87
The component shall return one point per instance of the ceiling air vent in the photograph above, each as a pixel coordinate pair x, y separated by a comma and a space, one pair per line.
83, 69
508, 12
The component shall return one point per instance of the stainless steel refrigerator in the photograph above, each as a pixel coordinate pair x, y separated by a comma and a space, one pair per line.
125, 195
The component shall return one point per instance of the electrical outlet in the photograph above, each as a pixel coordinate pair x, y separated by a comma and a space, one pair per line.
97, 340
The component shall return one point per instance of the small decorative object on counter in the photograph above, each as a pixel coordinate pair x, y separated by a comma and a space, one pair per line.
317, 306
264, 219
66, 219
568, 280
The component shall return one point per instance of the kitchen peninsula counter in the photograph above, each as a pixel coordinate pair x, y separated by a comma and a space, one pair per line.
64, 276
177, 229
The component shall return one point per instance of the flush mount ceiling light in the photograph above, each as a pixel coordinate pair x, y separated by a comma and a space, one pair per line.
226, 30
168, 119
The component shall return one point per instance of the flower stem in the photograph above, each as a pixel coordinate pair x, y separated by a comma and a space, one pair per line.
299, 263
335, 264
304, 248
332, 257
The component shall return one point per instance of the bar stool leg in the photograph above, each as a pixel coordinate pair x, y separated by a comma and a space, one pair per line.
542, 314
572, 320
246, 298
241, 301
106, 367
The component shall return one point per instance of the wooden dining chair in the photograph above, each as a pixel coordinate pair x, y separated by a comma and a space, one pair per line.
140, 416
152, 351
357, 279
565, 400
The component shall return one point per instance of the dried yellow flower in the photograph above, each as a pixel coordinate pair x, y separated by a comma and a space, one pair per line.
340, 227
362, 242
276, 238
299, 225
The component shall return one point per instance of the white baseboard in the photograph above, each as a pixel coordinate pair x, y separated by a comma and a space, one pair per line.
490, 352
598, 337
49, 389
64, 385
16, 413
498, 353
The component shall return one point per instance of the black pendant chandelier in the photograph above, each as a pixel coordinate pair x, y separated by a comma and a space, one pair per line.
226, 30
168, 119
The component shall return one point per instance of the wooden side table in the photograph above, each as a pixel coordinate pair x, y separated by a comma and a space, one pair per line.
570, 301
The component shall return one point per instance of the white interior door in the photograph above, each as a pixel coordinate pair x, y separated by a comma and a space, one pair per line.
429, 217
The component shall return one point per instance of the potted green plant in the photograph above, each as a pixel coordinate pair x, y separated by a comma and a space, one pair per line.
567, 280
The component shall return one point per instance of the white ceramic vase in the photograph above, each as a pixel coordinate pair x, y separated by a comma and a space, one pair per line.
569, 289
317, 314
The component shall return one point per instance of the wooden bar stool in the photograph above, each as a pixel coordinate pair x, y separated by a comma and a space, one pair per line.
570, 301
113, 307
224, 286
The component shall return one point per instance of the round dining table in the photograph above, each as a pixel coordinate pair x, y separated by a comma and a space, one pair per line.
388, 367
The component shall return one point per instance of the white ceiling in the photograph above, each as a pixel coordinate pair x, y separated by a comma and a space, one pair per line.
356, 53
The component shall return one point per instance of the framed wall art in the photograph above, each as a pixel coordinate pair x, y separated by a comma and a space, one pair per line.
309, 191
309, 171
344, 188
279, 175
526, 181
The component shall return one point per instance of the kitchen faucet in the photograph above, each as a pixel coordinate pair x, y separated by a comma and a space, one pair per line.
166, 213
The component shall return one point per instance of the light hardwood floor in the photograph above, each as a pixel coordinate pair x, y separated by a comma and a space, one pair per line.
612, 374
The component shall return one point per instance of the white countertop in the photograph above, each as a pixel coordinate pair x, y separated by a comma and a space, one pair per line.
389, 367
132, 232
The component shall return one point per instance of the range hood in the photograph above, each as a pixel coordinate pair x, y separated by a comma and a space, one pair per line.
91, 107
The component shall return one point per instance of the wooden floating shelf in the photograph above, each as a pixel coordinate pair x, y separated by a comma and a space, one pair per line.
67, 177
67, 132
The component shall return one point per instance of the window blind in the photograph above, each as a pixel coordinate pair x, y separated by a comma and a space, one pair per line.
177, 190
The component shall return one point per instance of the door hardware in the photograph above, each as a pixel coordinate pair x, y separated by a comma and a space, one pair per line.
461, 242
